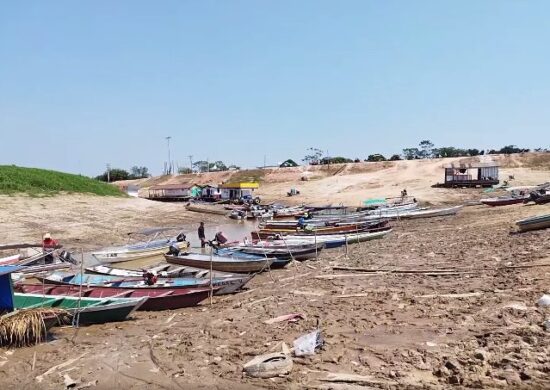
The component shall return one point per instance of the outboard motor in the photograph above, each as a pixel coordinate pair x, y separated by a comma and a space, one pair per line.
180, 237
67, 257
173, 250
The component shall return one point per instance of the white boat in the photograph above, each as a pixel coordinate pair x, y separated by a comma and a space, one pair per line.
151, 246
333, 240
431, 212
534, 223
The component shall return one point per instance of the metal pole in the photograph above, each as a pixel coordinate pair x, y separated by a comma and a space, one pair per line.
108, 173
169, 169
211, 285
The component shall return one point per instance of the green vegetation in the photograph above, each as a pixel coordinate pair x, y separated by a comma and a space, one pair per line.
41, 182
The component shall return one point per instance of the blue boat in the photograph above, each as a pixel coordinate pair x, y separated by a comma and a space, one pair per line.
227, 284
236, 253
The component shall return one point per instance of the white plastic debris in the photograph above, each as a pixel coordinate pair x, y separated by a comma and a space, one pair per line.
544, 301
305, 345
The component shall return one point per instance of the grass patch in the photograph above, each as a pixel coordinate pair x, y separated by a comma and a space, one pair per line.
42, 182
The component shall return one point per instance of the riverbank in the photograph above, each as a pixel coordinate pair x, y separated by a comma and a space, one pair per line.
476, 327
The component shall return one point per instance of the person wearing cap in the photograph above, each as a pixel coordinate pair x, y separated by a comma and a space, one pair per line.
48, 246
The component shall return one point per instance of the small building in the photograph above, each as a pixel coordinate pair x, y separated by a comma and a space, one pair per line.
288, 164
210, 192
173, 192
236, 190
471, 175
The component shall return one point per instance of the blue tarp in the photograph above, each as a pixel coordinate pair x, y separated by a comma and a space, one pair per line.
6, 289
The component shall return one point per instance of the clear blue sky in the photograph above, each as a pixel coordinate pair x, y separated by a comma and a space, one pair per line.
84, 83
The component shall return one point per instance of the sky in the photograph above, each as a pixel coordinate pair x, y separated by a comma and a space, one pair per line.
86, 83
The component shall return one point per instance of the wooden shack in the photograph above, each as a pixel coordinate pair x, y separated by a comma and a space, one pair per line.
236, 190
173, 192
471, 175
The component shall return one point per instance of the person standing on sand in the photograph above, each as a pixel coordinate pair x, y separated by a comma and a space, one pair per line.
202, 237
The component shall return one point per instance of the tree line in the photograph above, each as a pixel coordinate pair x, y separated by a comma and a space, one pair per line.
116, 174
425, 149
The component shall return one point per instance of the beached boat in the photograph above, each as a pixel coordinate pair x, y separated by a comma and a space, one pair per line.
504, 200
151, 246
429, 213
86, 310
226, 285
219, 263
163, 270
296, 252
534, 223
334, 240
157, 298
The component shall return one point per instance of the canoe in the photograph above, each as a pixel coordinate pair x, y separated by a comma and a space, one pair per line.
144, 249
503, 201
280, 252
335, 240
163, 270
534, 223
226, 285
219, 263
157, 298
86, 310
429, 213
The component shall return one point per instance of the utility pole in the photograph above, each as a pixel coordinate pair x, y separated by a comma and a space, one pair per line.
264, 160
169, 169
108, 173
191, 163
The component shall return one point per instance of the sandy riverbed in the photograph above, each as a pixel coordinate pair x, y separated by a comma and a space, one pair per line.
398, 335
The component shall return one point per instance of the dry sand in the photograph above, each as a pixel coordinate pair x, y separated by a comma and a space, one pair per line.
402, 334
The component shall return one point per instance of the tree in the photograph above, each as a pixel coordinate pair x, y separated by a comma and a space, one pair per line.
395, 157
184, 170
411, 153
114, 175
376, 157
201, 165
473, 152
426, 147
217, 166
139, 172
314, 157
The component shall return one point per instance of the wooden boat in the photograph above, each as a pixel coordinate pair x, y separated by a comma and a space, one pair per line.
337, 229
543, 199
226, 285
296, 252
503, 200
334, 240
10, 259
157, 298
150, 247
219, 263
534, 223
429, 213
87, 310
163, 270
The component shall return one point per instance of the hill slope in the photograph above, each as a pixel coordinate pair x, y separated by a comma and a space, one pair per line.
33, 181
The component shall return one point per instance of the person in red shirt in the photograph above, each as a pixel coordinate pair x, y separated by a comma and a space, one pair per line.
48, 246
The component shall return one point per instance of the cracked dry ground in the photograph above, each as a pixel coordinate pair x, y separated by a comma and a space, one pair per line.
397, 330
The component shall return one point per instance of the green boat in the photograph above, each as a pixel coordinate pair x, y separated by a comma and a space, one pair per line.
84, 310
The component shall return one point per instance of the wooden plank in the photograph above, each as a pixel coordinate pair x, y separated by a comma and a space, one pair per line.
464, 295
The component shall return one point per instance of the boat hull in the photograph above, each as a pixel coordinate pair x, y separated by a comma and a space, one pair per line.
226, 265
534, 223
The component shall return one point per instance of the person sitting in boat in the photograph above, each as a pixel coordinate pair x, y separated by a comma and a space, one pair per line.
149, 278
220, 238
245, 241
49, 245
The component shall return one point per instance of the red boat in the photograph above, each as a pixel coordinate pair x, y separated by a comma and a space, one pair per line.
503, 201
159, 299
